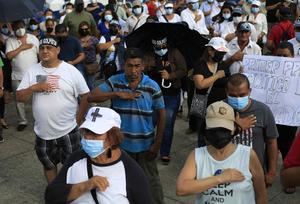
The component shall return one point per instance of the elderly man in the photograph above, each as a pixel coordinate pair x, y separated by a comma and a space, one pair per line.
55, 87
135, 97
240, 46
22, 50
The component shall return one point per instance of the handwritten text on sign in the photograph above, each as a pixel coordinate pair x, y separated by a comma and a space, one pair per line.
275, 81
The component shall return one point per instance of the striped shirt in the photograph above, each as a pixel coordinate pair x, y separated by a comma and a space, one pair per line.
136, 115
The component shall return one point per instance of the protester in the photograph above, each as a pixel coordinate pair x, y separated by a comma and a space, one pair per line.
96, 9
222, 169
106, 17
166, 66
48, 14
135, 97
194, 17
225, 25
119, 10
73, 19
210, 9
169, 16
240, 46
22, 50
138, 18
54, 86
100, 172
69, 7
296, 40
210, 78
34, 29
257, 124
50, 27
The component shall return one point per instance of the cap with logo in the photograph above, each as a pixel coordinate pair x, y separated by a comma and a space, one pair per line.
220, 115
243, 26
238, 10
48, 41
218, 44
100, 120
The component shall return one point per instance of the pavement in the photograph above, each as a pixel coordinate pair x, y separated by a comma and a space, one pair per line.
22, 180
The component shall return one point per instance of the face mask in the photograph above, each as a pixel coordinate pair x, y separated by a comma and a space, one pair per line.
5, 31
137, 11
69, 10
20, 32
218, 137
33, 27
169, 11
108, 17
93, 147
94, 1
48, 17
249, 1
221, 3
84, 32
237, 19
195, 6
49, 30
238, 103
161, 52
79, 8
210, 1
254, 9
226, 16
298, 36
218, 57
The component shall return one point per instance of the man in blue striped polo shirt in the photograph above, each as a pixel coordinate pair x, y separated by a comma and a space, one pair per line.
136, 97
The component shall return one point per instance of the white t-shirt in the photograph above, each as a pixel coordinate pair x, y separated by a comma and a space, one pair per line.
176, 19
296, 46
227, 193
25, 59
224, 28
189, 17
55, 112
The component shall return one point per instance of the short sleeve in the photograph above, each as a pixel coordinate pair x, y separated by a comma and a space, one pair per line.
292, 159
80, 83
199, 68
158, 100
1, 63
102, 40
9, 45
270, 128
78, 46
106, 86
26, 82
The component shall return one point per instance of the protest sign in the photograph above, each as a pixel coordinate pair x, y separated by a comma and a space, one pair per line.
275, 81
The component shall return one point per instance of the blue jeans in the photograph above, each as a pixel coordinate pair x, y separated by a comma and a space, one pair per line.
171, 105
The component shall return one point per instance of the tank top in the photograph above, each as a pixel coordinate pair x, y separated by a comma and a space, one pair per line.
226, 193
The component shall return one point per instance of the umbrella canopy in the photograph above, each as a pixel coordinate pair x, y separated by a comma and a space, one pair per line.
11, 10
189, 42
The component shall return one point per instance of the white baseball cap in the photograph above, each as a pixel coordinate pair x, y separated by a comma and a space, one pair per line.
218, 44
257, 3
191, 1
100, 120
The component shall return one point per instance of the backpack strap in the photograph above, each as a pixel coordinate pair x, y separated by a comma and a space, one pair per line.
90, 175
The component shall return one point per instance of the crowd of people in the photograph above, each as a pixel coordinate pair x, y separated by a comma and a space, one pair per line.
109, 154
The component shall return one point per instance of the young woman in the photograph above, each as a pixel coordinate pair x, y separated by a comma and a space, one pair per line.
225, 25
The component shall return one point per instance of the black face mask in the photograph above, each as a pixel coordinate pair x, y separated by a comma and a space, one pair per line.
113, 31
84, 32
218, 137
79, 8
49, 30
218, 56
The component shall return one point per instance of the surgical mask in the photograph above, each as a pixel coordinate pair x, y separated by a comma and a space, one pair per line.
69, 10
93, 148
79, 8
33, 27
254, 9
5, 31
237, 19
161, 52
218, 137
49, 30
297, 36
218, 57
108, 17
210, 1
238, 103
48, 17
20, 32
195, 6
169, 11
137, 11
226, 16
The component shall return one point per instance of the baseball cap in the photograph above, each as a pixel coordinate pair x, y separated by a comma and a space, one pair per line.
49, 41
114, 22
238, 10
218, 44
100, 120
136, 3
243, 26
256, 3
191, 1
169, 5
220, 115
285, 11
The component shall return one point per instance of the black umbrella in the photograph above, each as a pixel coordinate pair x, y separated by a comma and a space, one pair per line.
189, 42
11, 10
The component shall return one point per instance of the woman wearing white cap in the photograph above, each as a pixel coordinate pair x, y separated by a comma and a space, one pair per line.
209, 77
101, 172
222, 172
169, 16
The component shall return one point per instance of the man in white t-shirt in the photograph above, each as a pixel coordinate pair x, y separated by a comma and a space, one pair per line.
22, 50
194, 17
55, 87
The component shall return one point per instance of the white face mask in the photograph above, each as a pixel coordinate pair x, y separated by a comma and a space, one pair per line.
33, 27
137, 11
20, 32
237, 19
69, 10
169, 11
49, 17
226, 16
161, 52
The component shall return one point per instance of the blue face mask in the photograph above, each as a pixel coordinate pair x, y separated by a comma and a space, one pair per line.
238, 103
93, 147
195, 6
298, 36
254, 10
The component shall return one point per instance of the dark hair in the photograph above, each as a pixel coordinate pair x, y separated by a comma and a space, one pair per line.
33, 21
286, 45
61, 28
221, 13
205, 55
132, 53
82, 24
115, 137
47, 11
238, 79
48, 20
16, 23
68, 4
113, 13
